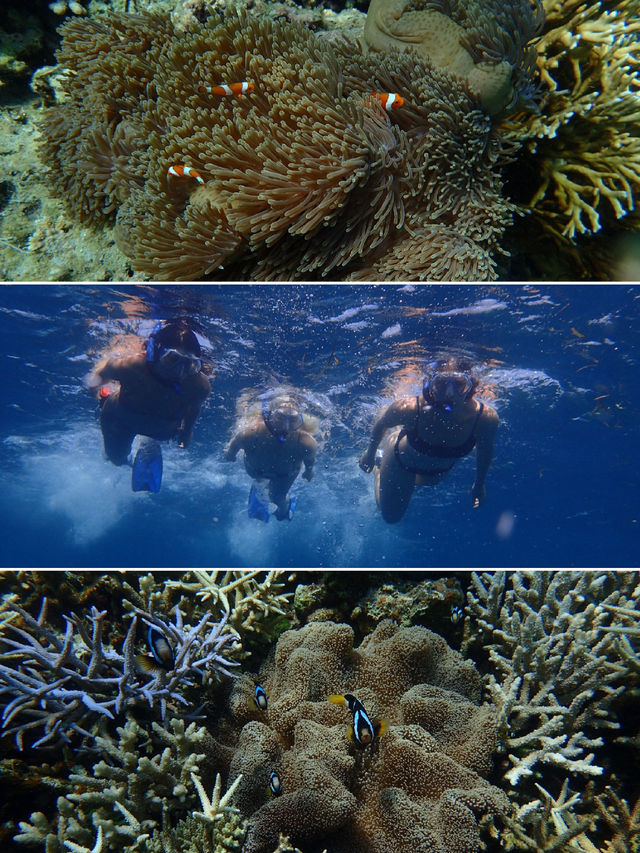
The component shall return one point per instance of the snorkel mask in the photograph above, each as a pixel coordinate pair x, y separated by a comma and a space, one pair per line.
281, 420
170, 362
442, 389
177, 364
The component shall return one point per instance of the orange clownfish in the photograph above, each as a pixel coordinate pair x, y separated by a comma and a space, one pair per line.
235, 89
389, 100
185, 172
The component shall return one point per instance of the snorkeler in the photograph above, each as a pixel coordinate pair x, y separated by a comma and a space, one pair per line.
277, 442
429, 434
160, 395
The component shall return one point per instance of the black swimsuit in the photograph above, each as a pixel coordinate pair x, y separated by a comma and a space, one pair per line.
436, 451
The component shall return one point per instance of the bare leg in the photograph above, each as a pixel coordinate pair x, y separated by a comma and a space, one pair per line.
393, 485
278, 488
117, 439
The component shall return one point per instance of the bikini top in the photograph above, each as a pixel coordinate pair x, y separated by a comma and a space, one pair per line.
437, 450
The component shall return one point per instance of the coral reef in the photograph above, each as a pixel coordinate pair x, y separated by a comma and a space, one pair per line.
305, 175
18, 46
557, 668
552, 825
430, 602
192, 836
581, 159
420, 786
548, 824
559, 653
61, 683
130, 794
623, 821
480, 43
561, 670
364, 601
253, 599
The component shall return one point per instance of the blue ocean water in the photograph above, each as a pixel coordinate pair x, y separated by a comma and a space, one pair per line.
558, 362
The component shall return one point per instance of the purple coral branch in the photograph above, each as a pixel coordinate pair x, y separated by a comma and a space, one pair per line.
193, 653
50, 686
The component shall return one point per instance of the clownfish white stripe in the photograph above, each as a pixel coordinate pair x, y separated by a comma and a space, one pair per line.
235, 89
181, 171
389, 100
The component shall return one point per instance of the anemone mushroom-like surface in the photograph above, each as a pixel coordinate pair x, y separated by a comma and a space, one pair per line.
419, 786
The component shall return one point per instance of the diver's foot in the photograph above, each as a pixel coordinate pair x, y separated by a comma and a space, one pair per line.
286, 514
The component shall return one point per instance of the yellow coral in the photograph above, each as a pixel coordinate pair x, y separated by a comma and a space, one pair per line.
585, 139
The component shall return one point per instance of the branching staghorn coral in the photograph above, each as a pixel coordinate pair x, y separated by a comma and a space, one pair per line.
192, 836
64, 683
622, 821
144, 778
556, 670
547, 824
247, 597
553, 826
583, 144
59, 682
196, 653
305, 175
627, 629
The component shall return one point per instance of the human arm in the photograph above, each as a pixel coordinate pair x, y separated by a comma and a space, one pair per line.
107, 370
184, 434
485, 434
233, 447
197, 394
397, 414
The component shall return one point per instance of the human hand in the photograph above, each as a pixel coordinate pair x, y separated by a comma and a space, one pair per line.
478, 495
92, 380
182, 438
307, 474
366, 462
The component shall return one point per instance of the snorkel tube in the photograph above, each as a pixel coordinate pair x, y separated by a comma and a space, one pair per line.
152, 348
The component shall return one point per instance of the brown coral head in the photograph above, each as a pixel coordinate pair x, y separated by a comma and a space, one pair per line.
484, 43
421, 788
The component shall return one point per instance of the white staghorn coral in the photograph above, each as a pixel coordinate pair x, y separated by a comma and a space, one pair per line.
249, 599
548, 824
79, 848
143, 778
558, 658
214, 809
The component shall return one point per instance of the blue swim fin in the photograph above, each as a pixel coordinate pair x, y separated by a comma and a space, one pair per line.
257, 508
147, 467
